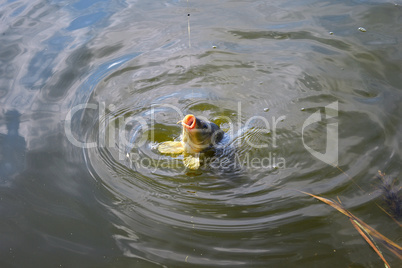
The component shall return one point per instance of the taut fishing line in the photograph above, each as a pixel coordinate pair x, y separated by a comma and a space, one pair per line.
188, 30
188, 26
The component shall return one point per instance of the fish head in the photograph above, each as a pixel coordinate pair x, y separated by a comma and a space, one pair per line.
199, 135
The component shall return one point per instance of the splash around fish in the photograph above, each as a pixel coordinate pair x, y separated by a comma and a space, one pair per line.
198, 136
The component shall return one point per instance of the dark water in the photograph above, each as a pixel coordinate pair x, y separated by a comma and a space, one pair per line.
89, 88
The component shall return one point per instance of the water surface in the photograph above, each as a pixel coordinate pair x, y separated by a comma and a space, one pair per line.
88, 89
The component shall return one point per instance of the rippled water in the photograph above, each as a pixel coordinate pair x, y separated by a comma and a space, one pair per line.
88, 89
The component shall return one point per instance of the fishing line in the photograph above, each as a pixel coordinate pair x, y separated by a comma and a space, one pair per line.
189, 40
188, 30
188, 26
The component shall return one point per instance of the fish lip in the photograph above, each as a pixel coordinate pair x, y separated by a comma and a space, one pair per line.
189, 121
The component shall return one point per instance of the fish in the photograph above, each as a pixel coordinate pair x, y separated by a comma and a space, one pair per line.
198, 136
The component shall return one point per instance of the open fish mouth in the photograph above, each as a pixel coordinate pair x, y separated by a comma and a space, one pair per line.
189, 121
